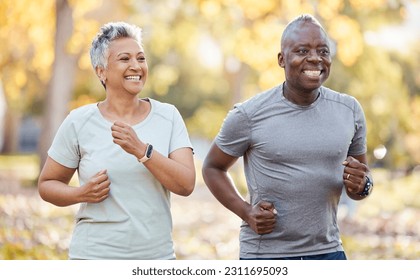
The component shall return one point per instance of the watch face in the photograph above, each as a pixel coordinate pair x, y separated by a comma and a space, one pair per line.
149, 151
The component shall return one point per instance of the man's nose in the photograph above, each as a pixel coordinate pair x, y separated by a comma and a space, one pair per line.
314, 56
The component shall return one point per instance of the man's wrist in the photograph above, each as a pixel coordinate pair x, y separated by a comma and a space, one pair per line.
367, 188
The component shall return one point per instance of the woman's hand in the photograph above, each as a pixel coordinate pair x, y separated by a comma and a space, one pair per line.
96, 189
125, 136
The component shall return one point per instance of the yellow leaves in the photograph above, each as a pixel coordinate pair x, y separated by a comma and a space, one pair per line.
329, 9
210, 9
80, 101
163, 76
258, 47
412, 140
83, 33
368, 4
207, 120
20, 77
291, 9
346, 32
82, 7
27, 47
254, 9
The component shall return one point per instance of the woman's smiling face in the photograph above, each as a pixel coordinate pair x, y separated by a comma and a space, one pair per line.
127, 67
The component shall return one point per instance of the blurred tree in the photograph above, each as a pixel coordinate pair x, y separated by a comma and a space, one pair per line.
409, 63
25, 59
61, 85
204, 56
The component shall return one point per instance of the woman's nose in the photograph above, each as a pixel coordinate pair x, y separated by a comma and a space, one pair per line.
134, 64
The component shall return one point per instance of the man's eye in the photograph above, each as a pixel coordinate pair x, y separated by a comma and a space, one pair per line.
302, 51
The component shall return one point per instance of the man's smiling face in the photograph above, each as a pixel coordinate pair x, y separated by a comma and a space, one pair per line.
305, 56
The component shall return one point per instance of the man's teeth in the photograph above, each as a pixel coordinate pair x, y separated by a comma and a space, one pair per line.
312, 73
133, 78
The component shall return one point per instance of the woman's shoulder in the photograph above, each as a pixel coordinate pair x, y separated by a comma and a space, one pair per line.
164, 109
160, 105
83, 112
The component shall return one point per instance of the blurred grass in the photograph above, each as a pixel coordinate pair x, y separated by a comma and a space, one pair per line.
387, 224
24, 168
384, 226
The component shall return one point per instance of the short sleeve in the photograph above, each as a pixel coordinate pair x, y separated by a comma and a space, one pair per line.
179, 137
64, 148
234, 137
358, 145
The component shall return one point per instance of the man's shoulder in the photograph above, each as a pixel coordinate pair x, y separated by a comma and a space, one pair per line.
338, 97
260, 100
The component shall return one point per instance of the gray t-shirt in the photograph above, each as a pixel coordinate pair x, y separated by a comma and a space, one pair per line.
293, 158
134, 222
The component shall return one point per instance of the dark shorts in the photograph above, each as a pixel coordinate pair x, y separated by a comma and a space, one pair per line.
340, 255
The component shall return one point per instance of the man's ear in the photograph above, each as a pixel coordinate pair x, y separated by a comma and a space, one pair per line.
280, 59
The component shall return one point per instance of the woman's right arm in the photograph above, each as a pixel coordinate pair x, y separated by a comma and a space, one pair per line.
53, 185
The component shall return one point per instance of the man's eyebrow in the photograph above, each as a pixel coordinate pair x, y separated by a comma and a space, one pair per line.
308, 44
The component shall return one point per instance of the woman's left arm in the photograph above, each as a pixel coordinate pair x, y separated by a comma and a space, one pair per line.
175, 172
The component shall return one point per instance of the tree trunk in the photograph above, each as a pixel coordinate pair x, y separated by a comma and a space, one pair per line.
61, 85
12, 120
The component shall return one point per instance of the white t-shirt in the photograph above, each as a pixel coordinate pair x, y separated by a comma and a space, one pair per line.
134, 222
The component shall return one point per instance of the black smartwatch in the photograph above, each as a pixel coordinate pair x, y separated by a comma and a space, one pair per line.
367, 189
147, 154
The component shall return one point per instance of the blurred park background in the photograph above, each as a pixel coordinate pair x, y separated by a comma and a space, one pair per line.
204, 56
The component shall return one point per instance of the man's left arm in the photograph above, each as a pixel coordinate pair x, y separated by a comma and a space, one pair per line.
357, 179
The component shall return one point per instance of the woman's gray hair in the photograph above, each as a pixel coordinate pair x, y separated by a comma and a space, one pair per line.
109, 32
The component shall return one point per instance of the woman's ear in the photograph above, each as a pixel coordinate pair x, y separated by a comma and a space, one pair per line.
100, 72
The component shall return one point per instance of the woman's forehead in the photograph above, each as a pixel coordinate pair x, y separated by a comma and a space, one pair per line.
125, 45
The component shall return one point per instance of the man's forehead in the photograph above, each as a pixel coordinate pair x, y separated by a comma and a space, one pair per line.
298, 31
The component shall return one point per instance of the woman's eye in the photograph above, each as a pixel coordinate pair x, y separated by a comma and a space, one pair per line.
325, 52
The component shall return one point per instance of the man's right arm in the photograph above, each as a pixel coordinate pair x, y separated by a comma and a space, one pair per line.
260, 218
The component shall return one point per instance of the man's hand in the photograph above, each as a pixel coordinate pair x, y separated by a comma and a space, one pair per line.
354, 175
262, 217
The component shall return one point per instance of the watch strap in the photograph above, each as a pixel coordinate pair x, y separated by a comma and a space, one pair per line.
147, 153
367, 189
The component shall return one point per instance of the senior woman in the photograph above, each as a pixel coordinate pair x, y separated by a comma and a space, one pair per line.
130, 154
